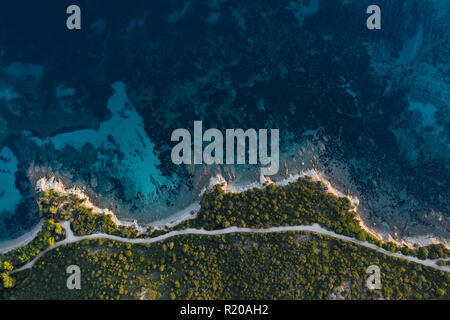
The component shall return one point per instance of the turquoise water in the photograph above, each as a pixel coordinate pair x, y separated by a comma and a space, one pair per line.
9, 195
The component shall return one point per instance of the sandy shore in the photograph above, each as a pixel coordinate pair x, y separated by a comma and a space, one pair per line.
191, 211
9, 245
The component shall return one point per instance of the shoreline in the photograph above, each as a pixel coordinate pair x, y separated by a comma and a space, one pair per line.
9, 245
190, 212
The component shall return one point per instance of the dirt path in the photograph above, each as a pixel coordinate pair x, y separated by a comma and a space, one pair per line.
71, 238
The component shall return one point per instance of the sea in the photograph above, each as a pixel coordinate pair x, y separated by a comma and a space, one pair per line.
95, 107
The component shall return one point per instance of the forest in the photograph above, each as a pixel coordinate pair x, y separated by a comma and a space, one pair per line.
290, 265
294, 265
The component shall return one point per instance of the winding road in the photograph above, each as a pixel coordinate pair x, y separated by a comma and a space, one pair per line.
315, 228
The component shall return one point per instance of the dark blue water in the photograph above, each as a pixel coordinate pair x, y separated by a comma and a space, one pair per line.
379, 99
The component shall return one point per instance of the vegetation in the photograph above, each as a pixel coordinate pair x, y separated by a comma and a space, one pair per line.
51, 232
82, 219
292, 265
302, 202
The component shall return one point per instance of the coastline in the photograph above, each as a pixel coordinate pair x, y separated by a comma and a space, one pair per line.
190, 212
9, 245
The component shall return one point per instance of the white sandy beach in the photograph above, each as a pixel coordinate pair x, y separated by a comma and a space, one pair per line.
190, 212
9, 245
